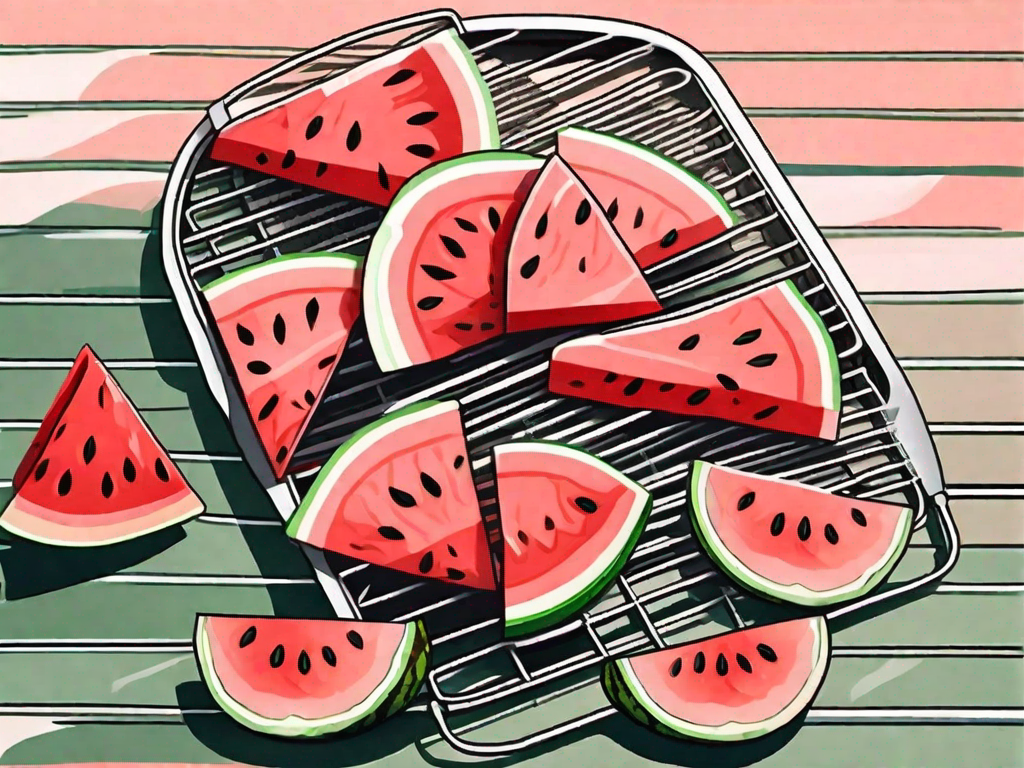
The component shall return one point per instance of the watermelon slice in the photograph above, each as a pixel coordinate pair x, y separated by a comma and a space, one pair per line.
735, 686
363, 132
566, 265
94, 473
658, 207
764, 360
436, 267
310, 677
792, 542
569, 523
400, 494
284, 324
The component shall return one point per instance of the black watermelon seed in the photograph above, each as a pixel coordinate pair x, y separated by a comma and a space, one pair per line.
437, 273
268, 408
258, 367
464, 326
279, 329
494, 218
735, 401
831, 535
281, 453
728, 383
289, 159
743, 663
41, 469
321, 169
426, 562
698, 662
355, 639
107, 486
698, 397
583, 211
59, 432
100, 395
89, 449
429, 302
297, 404
244, 335
778, 524
858, 517
382, 177
312, 312
304, 664
638, 219
746, 500
669, 239
690, 342
542, 226
747, 337
576, 384
421, 150
309, 397
422, 118
586, 504
247, 637
161, 470
328, 653
764, 414
314, 127
549, 524
676, 668
430, 485
610, 377
459, 461
763, 361
529, 268
399, 77
401, 498
451, 551
523, 537
455, 574
354, 137
277, 656
633, 387
721, 665
128, 470
453, 247
766, 652
468, 226
390, 533
803, 529
613, 209
583, 265
261, 159
666, 387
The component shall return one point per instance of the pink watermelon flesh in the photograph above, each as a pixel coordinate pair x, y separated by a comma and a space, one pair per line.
794, 542
569, 523
566, 265
764, 360
284, 324
363, 132
658, 207
737, 685
94, 474
400, 494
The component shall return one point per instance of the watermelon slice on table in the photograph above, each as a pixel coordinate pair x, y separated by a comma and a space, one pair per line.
735, 686
765, 360
363, 132
285, 324
569, 523
793, 542
399, 494
436, 267
310, 677
658, 207
94, 473
566, 264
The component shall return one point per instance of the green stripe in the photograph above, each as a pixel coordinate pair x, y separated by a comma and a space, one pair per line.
939, 115
21, 108
85, 165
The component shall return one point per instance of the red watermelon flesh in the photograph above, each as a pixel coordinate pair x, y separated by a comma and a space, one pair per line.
363, 132
284, 324
94, 473
566, 264
764, 360
659, 208
399, 494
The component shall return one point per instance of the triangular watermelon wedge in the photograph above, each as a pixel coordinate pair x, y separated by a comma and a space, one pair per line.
363, 132
566, 264
94, 473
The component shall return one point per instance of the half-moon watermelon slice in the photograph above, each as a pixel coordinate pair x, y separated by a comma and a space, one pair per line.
793, 542
765, 360
363, 132
284, 324
94, 473
566, 264
310, 677
735, 686
658, 207
436, 267
399, 494
569, 523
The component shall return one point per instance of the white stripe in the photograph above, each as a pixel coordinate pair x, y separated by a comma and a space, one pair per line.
225, 581
981, 589
83, 300
203, 457
981, 492
228, 520
73, 710
922, 715
924, 652
954, 363
976, 429
958, 297
111, 364
87, 646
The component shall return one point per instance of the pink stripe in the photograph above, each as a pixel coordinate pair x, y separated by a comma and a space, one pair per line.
173, 78
720, 25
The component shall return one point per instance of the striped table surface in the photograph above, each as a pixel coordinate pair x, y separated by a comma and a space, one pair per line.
898, 123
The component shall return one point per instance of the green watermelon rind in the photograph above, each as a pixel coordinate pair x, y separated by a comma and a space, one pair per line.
379, 305
399, 687
627, 694
797, 594
325, 259
828, 360
616, 559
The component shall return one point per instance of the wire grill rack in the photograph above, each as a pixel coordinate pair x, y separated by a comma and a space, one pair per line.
542, 79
